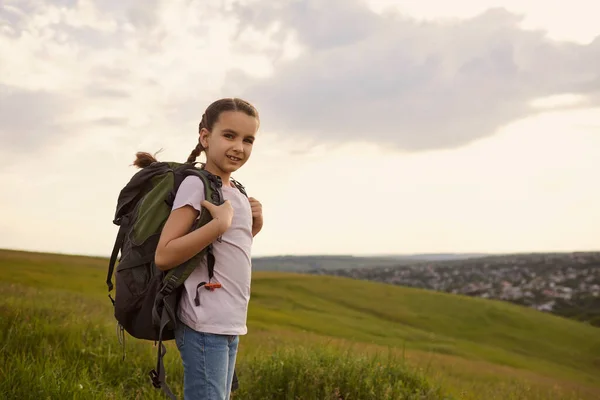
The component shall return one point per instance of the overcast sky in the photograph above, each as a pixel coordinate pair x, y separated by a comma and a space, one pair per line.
387, 126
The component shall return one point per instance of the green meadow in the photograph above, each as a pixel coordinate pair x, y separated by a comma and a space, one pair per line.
310, 337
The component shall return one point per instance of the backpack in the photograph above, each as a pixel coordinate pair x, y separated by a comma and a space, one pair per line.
146, 298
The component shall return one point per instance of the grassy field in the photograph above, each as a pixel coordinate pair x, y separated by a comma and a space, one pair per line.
309, 338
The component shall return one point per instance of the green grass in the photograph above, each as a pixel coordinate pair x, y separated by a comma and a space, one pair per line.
57, 344
469, 327
309, 337
329, 373
67, 348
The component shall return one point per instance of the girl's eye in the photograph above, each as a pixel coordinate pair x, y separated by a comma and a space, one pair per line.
229, 135
249, 141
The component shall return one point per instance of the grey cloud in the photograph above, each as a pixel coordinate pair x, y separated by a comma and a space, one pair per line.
90, 38
407, 84
141, 14
110, 73
108, 82
16, 13
99, 91
322, 25
29, 119
110, 121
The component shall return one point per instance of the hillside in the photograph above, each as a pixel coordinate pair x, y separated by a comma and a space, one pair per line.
475, 348
566, 284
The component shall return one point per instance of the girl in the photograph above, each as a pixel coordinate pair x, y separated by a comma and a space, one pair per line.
211, 321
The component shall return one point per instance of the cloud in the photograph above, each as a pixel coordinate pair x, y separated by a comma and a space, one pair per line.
403, 83
331, 71
97, 69
29, 118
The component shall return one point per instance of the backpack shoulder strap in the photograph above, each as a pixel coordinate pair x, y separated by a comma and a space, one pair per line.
240, 187
213, 193
212, 184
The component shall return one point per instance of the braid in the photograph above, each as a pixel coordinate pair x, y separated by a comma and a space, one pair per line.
195, 153
199, 148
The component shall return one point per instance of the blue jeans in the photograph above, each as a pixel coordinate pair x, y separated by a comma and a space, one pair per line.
208, 363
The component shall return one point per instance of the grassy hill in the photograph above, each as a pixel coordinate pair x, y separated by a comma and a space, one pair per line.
339, 335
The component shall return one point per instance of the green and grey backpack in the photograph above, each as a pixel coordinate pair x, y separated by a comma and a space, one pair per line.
146, 298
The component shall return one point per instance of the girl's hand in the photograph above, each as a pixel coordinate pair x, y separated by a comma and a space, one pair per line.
257, 216
223, 214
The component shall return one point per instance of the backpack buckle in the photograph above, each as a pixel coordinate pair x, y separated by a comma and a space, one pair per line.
169, 285
154, 378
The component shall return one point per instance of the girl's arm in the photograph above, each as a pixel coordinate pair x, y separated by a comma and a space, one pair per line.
177, 244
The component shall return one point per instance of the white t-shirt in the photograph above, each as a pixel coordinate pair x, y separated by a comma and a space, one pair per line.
224, 310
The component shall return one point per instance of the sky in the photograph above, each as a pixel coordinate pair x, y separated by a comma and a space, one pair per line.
387, 126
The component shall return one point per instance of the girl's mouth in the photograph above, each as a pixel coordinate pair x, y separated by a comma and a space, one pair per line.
232, 158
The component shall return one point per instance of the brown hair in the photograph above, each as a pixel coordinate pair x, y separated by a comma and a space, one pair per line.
209, 118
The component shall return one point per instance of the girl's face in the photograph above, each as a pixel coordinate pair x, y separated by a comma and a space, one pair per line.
229, 145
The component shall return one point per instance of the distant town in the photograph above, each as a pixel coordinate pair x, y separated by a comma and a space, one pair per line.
566, 284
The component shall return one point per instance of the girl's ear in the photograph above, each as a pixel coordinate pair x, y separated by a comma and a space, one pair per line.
204, 133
